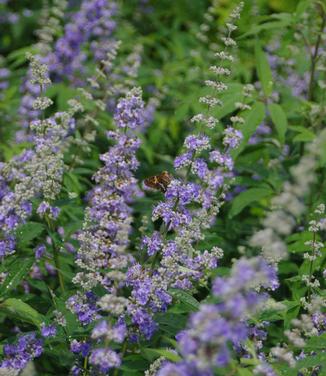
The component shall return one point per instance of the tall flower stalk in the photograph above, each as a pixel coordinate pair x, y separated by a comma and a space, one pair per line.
279, 222
37, 173
93, 24
102, 254
189, 207
50, 26
204, 344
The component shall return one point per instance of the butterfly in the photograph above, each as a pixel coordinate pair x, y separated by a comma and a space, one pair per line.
160, 182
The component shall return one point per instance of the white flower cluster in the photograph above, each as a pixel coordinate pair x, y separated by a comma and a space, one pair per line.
50, 23
289, 204
154, 367
39, 172
308, 325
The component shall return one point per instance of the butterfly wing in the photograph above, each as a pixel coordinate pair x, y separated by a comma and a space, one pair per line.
159, 182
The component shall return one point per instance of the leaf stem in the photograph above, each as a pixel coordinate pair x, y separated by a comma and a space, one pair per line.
123, 351
55, 255
314, 58
311, 265
58, 268
85, 365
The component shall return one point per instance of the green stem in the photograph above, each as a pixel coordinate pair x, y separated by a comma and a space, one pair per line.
85, 365
155, 258
314, 58
58, 268
123, 351
311, 265
55, 255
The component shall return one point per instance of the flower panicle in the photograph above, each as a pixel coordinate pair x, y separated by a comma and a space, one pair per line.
180, 264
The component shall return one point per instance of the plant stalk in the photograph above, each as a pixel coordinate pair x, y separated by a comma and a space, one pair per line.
314, 58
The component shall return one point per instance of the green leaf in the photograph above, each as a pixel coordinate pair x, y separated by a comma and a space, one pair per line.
291, 314
322, 148
256, 29
283, 369
16, 272
271, 315
316, 343
154, 353
62, 93
279, 120
71, 182
171, 323
185, 298
296, 242
244, 371
304, 134
16, 308
263, 70
287, 267
133, 366
18, 57
301, 8
252, 119
147, 149
229, 101
312, 361
248, 361
246, 198
28, 231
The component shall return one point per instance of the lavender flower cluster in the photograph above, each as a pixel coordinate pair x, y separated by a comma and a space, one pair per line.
204, 345
94, 24
104, 239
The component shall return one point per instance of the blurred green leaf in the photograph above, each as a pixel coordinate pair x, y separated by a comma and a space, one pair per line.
316, 343
263, 70
244, 372
185, 298
244, 199
256, 29
279, 120
312, 361
16, 273
17, 309
155, 353
253, 118
304, 134
28, 232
